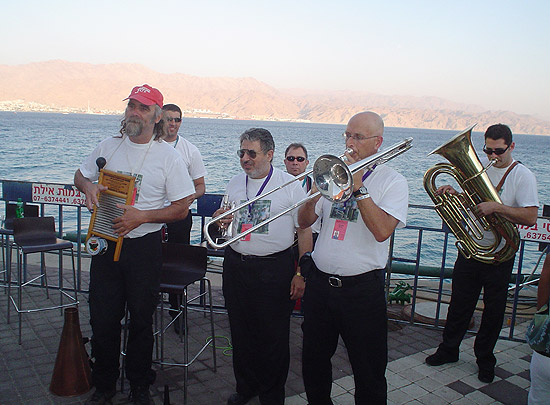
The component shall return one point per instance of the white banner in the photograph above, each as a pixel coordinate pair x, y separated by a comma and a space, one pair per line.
540, 232
57, 194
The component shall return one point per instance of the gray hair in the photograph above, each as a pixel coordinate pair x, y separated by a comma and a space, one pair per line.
259, 134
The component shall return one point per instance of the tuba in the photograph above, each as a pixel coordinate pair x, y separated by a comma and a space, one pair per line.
488, 239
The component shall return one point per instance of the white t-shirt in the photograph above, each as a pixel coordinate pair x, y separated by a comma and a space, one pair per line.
159, 171
191, 156
519, 188
277, 235
345, 245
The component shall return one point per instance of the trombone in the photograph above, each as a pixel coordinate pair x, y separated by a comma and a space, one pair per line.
333, 179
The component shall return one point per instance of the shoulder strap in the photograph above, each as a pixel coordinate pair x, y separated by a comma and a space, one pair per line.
501, 183
308, 183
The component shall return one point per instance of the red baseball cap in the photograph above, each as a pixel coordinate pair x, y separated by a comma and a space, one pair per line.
146, 95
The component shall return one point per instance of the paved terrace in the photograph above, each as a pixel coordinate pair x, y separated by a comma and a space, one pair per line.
26, 370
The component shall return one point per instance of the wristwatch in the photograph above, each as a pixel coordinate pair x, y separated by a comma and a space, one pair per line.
360, 191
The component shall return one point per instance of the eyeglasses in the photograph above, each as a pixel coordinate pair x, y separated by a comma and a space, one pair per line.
170, 119
298, 158
497, 151
357, 137
251, 152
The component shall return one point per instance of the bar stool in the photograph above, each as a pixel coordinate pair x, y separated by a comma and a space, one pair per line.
6, 231
182, 266
37, 235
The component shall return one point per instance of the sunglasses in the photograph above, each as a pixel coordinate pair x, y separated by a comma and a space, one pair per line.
497, 151
298, 158
252, 153
169, 119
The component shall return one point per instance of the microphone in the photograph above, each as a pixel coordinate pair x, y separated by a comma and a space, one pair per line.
100, 162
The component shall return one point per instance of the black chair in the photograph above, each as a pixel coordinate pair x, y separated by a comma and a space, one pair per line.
37, 235
182, 266
206, 206
6, 231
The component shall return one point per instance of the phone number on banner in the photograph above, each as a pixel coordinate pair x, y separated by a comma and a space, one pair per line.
57, 194
540, 232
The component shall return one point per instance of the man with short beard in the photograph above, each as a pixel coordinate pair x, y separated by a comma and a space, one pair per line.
260, 282
133, 281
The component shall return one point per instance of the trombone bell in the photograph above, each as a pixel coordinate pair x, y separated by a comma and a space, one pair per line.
333, 178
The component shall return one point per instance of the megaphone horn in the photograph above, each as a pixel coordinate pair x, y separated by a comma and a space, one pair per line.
71, 373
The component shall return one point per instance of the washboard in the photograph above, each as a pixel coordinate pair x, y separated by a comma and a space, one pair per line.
120, 191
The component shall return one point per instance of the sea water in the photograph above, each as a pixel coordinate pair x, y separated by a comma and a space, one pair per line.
49, 147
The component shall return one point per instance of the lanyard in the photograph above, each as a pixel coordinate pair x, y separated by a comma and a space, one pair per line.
365, 175
259, 191
176, 142
368, 173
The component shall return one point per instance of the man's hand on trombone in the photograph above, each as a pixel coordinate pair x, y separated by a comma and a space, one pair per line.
224, 222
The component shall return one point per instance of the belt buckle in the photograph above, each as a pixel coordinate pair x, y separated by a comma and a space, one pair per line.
335, 282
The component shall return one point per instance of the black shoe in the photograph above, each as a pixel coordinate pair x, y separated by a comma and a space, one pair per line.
140, 395
101, 397
486, 376
238, 399
438, 359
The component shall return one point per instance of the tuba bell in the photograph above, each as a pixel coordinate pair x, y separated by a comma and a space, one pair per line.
488, 239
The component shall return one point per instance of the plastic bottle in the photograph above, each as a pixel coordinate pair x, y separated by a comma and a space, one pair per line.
19, 212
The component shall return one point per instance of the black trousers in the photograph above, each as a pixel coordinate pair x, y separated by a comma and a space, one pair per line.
179, 232
132, 281
469, 277
257, 297
357, 312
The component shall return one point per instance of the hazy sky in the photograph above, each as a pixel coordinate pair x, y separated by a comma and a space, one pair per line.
492, 53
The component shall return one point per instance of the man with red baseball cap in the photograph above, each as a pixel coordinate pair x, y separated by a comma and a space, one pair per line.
146, 95
132, 281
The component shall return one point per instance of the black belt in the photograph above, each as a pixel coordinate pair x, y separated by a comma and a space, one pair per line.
347, 281
259, 258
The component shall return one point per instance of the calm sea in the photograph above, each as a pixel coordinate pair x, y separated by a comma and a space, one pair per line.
45, 147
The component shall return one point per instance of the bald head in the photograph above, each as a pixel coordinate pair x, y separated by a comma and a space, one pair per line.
370, 122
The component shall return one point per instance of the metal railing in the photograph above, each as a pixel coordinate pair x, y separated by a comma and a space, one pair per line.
407, 256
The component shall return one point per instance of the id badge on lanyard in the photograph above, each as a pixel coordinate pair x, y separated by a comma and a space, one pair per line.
247, 225
340, 225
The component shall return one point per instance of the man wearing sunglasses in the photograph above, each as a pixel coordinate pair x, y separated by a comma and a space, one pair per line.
296, 161
180, 231
345, 293
260, 282
517, 187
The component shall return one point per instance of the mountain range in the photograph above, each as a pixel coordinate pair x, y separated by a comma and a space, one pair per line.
99, 88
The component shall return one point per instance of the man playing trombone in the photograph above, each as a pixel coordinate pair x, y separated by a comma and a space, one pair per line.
260, 283
346, 271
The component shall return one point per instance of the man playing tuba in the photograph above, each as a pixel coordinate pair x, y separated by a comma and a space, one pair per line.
517, 187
